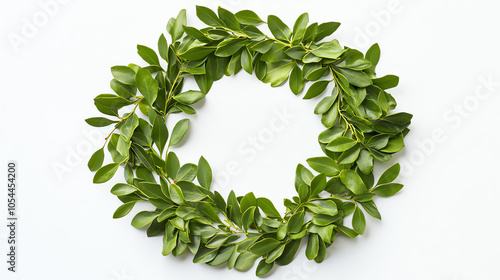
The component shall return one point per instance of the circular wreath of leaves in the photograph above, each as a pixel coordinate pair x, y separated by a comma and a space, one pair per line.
238, 230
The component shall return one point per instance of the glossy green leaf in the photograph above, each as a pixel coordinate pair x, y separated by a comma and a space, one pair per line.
144, 218
245, 260
147, 85
300, 26
353, 182
159, 133
264, 246
148, 55
316, 89
263, 268
289, 253
204, 173
329, 50
278, 28
386, 82
296, 80
277, 72
124, 209
296, 222
389, 175
312, 246
96, 160
248, 17
324, 165
326, 29
373, 55
179, 131
99, 122
341, 144
123, 74
105, 173
208, 17
358, 221
189, 97
388, 189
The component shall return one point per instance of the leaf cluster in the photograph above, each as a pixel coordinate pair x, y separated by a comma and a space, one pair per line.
238, 230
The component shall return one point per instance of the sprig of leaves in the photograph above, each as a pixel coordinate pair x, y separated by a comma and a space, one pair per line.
238, 230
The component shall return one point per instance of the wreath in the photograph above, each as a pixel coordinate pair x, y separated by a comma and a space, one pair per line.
241, 229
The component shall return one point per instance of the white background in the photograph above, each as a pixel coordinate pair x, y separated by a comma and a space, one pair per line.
443, 225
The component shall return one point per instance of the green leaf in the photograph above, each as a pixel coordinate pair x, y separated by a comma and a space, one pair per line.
172, 165
246, 61
223, 255
373, 55
228, 18
105, 173
316, 89
277, 72
371, 209
275, 54
179, 131
248, 217
358, 221
321, 252
176, 194
208, 211
123, 210
96, 160
318, 184
208, 17
147, 85
189, 97
123, 90
122, 189
198, 52
312, 246
296, 52
264, 246
365, 162
263, 268
163, 47
299, 28
144, 218
328, 119
330, 134
262, 46
187, 172
326, 29
245, 260
177, 29
325, 104
268, 208
204, 173
99, 122
247, 201
159, 133
324, 165
278, 28
148, 55
356, 78
296, 80
347, 231
325, 207
230, 46
195, 33
386, 82
296, 222
394, 144
353, 182
123, 74
388, 189
205, 255
330, 50
311, 32
389, 175
341, 144
289, 253
248, 17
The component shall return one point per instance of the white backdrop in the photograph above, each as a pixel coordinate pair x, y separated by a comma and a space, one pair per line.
444, 224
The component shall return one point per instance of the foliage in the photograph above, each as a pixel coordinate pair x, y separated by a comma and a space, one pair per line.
241, 229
